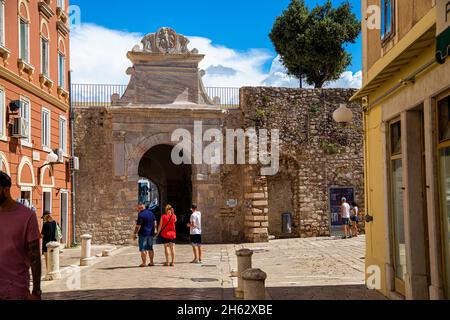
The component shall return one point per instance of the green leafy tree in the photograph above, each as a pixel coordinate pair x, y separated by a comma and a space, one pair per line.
311, 43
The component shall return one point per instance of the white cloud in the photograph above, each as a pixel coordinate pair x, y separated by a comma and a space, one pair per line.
99, 56
247, 66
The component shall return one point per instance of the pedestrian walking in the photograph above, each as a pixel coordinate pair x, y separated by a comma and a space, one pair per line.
354, 219
144, 231
49, 233
19, 247
167, 231
345, 214
195, 226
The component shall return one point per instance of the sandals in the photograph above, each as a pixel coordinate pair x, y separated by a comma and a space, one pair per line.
142, 266
151, 264
171, 264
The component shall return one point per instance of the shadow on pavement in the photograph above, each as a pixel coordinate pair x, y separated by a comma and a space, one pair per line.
341, 292
336, 292
143, 294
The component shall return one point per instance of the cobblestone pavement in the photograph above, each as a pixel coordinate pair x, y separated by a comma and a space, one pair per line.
316, 268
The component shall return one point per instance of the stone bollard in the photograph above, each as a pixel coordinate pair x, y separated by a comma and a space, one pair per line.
53, 272
86, 259
254, 284
244, 260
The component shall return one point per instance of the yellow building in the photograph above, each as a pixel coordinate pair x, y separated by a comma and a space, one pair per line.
406, 98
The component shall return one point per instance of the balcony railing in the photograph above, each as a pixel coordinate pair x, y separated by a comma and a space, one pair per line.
99, 95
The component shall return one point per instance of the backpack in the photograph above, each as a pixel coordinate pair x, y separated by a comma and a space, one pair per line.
58, 234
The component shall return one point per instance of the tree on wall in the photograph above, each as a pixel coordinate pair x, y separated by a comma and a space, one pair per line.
311, 43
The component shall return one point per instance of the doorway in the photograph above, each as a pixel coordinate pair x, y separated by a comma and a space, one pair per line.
64, 216
173, 183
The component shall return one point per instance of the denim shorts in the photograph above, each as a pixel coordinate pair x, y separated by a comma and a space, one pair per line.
145, 244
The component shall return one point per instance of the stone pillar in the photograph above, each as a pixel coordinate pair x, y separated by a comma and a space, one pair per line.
244, 260
86, 258
254, 284
257, 206
416, 280
436, 288
53, 272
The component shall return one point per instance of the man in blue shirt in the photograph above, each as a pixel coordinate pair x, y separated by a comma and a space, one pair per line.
145, 230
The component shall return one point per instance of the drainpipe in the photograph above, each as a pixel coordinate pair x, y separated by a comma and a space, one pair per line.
72, 152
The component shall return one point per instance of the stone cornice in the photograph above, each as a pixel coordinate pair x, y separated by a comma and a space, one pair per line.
32, 88
62, 28
4, 54
168, 111
44, 7
137, 57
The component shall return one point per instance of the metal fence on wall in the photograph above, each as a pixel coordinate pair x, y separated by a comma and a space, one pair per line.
97, 95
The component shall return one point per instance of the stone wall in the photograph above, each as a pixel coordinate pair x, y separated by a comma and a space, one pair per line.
96, 197
316, 153
238, 204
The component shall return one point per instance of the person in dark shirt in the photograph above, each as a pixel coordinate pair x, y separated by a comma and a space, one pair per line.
48, 232
145, 230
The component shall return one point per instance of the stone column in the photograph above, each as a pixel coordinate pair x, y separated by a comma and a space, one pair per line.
254, 284
244, 260
86, 258
53, 272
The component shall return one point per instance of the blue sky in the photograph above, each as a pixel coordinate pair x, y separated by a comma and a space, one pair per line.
240, 25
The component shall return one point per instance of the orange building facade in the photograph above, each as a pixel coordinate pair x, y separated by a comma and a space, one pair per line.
34, 106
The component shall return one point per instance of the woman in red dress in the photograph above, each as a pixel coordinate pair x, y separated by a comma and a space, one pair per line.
168, 234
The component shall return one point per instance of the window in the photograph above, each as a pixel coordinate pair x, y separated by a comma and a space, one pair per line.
61, 4
2, 113
25, 112
45, 128
396, 194
61, 69
24, 40
444, 162
63, 134
2, 23
396, 138
26, 197
44, 57
444, 119
47, 200
387, 18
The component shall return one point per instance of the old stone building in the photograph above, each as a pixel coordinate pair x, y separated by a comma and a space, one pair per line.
129, 141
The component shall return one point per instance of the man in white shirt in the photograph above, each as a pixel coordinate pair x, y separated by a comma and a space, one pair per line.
345, 214
195, 226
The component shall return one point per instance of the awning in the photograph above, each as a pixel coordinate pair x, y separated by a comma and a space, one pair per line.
395, 64
443, 46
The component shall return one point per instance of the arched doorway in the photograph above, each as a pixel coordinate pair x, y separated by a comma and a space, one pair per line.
172, 181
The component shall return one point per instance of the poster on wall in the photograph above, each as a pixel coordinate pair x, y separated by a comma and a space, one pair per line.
335, 196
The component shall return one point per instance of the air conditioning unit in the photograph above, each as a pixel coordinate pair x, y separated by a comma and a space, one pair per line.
15, 105
60, 154
20, 128
75, 164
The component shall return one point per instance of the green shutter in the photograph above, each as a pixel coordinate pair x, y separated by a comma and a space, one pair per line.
443, 46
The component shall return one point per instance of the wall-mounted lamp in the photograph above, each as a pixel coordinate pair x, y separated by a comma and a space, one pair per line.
343, 114
51, 159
